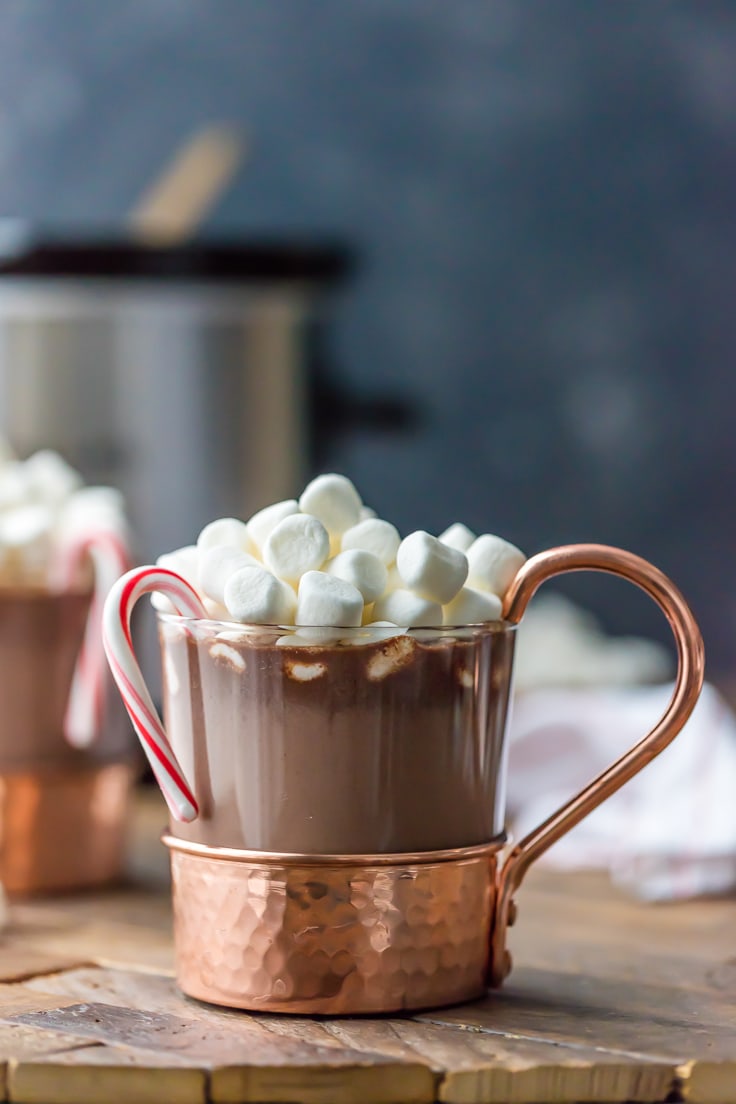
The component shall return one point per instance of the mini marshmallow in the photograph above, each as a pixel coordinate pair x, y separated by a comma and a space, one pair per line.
92, 510
88, 502
326, 600
262, 524
430, 568
50, 478
255, 596
458, 536
217, 564
227, 531
394, 581
394, 655
376, 536
97, 498
493, 563
230, 655
14, 486
403, 607
364, 570
367, 512
471, 607
305, 672
26, 539
185, 562
334, 500
299, 543
26, 527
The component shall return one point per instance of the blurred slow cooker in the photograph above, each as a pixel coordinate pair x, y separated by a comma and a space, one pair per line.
188, 375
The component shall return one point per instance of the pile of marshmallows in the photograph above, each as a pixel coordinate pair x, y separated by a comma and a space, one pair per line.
327, 560
43, 509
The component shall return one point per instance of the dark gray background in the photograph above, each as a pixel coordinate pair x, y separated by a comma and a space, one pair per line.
544, 196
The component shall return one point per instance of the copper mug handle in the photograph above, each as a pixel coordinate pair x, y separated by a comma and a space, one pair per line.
690, 667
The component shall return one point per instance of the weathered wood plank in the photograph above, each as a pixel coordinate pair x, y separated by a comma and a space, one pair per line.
260, 1057
16, 998
113, 1075
250, 1057
707, 1082
19, 962
579, 923
18, 1040
636, 1018
368, 1083
479, 1068
124, 988
102, 942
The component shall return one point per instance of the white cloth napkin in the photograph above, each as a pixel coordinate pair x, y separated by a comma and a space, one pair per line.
671, 831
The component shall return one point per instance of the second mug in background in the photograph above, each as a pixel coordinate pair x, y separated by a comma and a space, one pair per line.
67, 761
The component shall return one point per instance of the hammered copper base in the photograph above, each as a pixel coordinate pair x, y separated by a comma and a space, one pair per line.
333, 935
63, 829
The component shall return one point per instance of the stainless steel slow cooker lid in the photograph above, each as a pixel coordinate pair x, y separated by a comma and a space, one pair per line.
26, 251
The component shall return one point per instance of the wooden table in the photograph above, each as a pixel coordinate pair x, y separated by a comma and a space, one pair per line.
609, 1001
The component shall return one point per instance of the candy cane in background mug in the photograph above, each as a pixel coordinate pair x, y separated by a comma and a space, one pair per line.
107, 551
337, 794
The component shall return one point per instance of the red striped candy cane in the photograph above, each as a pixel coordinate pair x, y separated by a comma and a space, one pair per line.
109, 555
131, 684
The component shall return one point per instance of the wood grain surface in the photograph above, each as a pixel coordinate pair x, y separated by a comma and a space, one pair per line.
610, 1001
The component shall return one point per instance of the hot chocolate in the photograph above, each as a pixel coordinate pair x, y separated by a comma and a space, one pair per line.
389, 745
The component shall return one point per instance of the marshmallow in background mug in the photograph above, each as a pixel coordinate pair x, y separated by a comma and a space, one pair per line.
493, 563
376, 536
431, 569
334, 500
91, 501
298, 544
93, 510
255, 596
25, 535
14, 488
263, 523
326, 600
364, 570
403, 607
49, 478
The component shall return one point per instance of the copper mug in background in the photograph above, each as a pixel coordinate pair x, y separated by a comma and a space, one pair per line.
62, 808
343, 803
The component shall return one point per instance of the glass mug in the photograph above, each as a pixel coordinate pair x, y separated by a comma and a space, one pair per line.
338, 808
